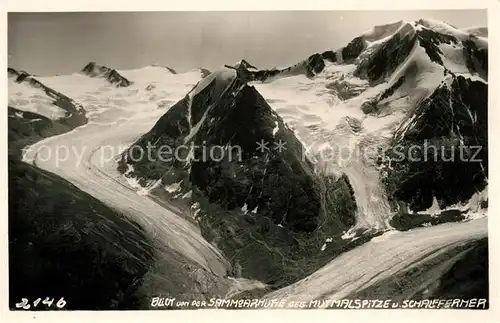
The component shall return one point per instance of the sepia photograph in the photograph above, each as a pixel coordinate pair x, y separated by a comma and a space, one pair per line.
248, 160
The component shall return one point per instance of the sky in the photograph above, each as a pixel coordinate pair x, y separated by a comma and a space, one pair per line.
63, 43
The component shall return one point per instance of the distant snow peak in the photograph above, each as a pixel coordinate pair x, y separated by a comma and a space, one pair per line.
92, 69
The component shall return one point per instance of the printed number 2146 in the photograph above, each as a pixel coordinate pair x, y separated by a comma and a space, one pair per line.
24, 304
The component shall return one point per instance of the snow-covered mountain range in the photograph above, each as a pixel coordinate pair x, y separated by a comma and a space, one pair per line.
328, 184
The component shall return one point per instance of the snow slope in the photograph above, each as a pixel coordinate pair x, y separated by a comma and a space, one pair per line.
153, 90
29, 98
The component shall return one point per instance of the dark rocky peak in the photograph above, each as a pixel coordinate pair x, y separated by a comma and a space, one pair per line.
204, 72
23, 76
240, 117
245, 64
253, 201
19, 76
12, 73
329, 55
92, 69
314, 65
244, 70
115, 78
353, 49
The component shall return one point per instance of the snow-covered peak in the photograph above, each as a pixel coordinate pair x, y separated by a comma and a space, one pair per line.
383, 31
445, 28
220, 78
91, 67
245, 64
12, 73
436, 25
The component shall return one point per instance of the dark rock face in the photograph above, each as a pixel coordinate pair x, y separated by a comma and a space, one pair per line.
386, 59
329, 55
243, 121
390, 91
449, 148
12, 72
353, 49
476, 58
431, 40
369, 107
406, 221
254, 204
315, 65
199, 103
65, 243
111, 75
295, 204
